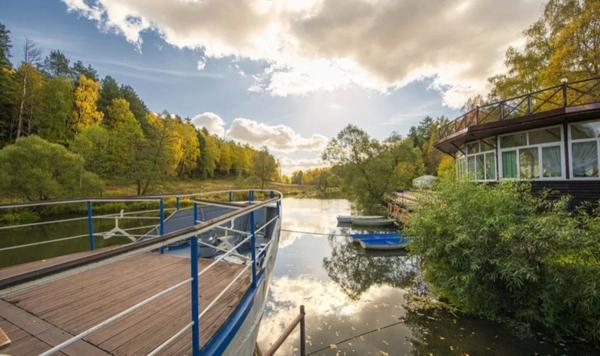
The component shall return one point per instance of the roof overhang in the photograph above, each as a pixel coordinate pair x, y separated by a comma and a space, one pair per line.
452, 143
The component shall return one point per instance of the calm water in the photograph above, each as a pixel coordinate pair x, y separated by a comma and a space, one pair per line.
355, 303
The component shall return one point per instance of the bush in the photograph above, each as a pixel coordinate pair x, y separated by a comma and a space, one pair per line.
34, 169
499, 251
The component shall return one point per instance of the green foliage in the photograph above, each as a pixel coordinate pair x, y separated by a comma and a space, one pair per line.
210, 154
57, 64
265, 166
5, 46
109, 92
369, 169
563, 43
501, 251
55, 110
34, 169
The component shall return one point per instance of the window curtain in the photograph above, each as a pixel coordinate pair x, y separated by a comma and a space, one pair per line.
585, 159
551, 161
490, 166
529, 163
509, 164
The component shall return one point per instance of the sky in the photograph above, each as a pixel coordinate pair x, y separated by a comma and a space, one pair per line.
285, 74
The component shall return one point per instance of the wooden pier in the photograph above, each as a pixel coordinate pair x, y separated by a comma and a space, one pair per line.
44, 315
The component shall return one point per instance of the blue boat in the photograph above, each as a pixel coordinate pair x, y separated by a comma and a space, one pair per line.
380, 241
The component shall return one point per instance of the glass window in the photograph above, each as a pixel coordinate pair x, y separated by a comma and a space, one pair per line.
544, 136
490, 165
585, 130
471, 166
487, 145
528, 163
472, 147
513, 140
509, 164
480, 173
585, 159
551, 162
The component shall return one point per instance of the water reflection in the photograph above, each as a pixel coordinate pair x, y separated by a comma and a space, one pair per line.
356, 303
355, 272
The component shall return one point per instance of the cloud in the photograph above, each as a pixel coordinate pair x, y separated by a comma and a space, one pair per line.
211, 121
324, 45
289, 165
276, 137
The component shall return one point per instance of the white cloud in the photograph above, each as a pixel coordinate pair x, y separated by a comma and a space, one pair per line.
211, 121
289, 165
275, 137
201, 64
331, 44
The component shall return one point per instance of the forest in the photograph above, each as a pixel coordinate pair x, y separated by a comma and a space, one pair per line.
66, 132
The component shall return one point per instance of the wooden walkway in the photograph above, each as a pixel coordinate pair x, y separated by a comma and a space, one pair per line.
43, 316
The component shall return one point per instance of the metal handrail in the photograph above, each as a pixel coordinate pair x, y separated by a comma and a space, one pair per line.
455, 125
299, 319
177, 236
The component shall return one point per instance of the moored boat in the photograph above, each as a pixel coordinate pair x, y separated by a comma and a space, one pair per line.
380, 241
365, 220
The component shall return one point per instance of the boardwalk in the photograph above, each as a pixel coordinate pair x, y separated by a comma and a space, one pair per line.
40, 317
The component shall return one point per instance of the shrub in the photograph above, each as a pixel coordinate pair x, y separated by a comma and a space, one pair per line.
499, 251
35, 169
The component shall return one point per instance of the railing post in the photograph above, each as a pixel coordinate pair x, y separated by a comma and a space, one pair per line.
195, 309
302, 333
477, 115
230, 197
161, 229
501, 110
90, 225
176, 203
529, 104
162, 217
195, 213
564, 84
253, 247
251, 195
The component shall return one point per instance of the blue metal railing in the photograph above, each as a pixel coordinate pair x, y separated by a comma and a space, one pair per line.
191, 234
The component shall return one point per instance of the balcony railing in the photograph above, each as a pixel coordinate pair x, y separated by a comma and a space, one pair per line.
566, 94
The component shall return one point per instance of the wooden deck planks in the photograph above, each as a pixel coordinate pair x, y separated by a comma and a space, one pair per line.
73, 304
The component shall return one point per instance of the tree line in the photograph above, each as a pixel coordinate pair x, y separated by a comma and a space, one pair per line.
103, 129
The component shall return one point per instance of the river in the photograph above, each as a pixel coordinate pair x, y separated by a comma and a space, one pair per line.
357, 304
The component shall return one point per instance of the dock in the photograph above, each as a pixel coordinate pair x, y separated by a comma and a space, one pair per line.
43, 316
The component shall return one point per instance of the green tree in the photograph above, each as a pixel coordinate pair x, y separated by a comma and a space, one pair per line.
209, 154
117, 112
30, 80
92, 144
57, 64
264, 166
109, 92
55, 110
34, 169
86, 96
190, 147
225, 160
80, 69
8, 87
369, 169
563, 43
137, 106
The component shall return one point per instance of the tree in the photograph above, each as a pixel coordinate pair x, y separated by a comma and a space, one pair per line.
370, 169
137, 106
57, 64
563, 43
5, 46
55, 110
125, 139
8, 87
86, 95
264, 166
31, 57
80, 69
190, 147
225, 160
209, 154
34, 169
109, 92
92, 144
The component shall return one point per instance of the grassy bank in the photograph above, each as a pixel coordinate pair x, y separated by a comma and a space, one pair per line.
183, 186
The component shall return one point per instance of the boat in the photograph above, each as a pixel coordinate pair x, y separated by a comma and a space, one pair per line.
365, 220
195, 282
380, 241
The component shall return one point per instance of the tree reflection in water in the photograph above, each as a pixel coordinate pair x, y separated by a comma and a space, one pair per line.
355, 271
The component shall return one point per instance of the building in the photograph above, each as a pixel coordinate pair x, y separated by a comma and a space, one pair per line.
550, 138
